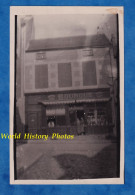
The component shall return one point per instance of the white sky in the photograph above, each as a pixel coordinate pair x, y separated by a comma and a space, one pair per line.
49, 26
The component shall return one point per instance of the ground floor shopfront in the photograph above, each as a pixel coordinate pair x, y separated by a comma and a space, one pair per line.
58, 112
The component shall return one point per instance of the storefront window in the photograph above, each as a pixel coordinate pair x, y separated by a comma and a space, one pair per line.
96, 117
51, 121
101, 117
56, 117
91, 117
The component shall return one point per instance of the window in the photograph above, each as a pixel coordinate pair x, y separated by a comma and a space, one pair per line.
64, 75
91, 117
56, 117
40, 56
89, 73
87, 52
51, 121
41, 76
101, 117
97, 117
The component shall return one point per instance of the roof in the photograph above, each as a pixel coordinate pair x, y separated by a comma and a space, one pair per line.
94, 41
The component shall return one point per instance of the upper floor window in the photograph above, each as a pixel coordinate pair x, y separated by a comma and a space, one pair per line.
41, 76
87, 52
64, 75
40, 56
89, 73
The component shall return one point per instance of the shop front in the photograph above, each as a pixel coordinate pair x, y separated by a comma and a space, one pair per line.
59, 112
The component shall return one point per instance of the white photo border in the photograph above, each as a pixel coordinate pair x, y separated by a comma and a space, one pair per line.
42, 10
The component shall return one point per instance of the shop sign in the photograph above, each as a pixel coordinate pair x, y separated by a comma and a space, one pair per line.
85, 95
55, 112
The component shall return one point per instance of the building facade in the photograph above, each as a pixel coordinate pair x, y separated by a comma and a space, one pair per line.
66, 79
24, 32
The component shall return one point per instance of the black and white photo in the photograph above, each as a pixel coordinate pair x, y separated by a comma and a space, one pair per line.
67, 95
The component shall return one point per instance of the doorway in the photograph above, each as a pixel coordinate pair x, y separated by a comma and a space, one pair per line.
80, 114
74, 113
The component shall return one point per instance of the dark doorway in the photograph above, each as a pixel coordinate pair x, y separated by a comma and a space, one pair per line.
80, 114
72, 117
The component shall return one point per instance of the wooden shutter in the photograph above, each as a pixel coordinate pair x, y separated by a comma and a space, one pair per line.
64, 75
41, 76
89, 73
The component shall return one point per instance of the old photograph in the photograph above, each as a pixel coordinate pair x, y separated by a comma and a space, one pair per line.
67, 99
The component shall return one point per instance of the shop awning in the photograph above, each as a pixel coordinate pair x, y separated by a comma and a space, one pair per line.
74, 101
92, 100
57, 102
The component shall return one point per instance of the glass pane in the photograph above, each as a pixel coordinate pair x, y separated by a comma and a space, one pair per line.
51, 121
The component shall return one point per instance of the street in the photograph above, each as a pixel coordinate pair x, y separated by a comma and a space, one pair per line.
85, 157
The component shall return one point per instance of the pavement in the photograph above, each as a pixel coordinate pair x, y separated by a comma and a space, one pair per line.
39, 159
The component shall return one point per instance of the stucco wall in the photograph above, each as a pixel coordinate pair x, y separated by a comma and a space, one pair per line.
76, 57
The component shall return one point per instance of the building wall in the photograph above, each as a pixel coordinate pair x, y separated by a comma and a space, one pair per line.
25, 32
47, 65
50, 74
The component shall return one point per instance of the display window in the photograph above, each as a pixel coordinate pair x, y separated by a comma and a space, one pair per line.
55, 117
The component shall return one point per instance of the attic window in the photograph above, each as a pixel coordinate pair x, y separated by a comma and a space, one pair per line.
87, 52
40, 56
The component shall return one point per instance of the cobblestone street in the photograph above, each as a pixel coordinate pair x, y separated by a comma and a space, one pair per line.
85, 157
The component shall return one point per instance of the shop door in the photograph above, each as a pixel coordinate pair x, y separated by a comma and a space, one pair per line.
74, 113
32, 121
72, 117
80, 114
